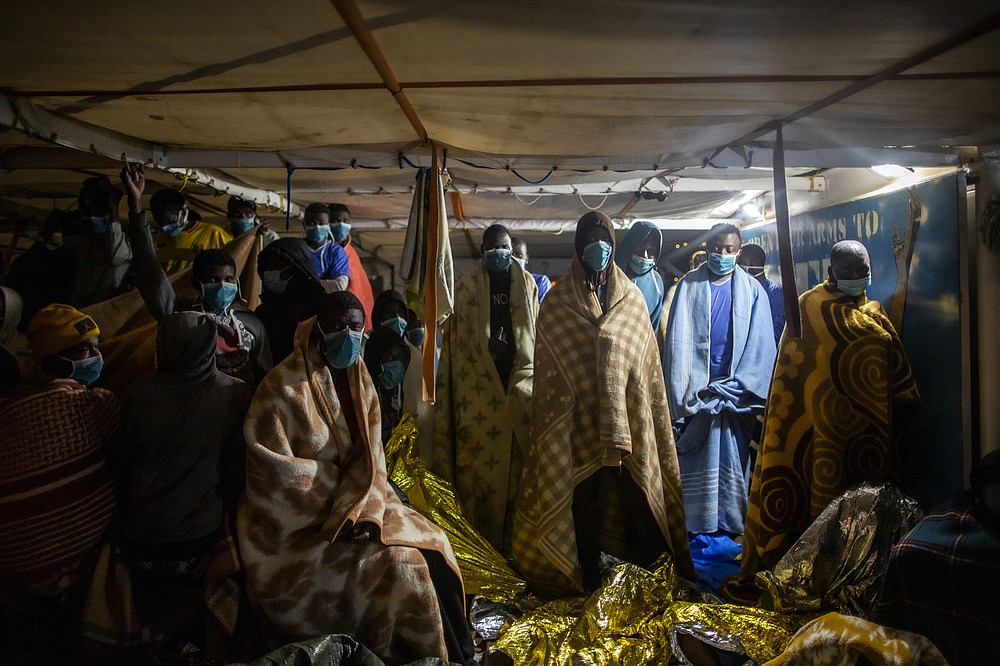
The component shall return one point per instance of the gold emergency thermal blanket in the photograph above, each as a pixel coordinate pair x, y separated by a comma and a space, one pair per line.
842, 640
637, 618
484, 570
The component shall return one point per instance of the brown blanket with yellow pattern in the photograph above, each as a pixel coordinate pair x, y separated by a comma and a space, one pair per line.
327, 545
828, 424
599, 401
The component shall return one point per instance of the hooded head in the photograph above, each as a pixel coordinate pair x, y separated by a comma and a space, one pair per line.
595, 241
389, 305
384, 345
643, 241
186, 343
288, 261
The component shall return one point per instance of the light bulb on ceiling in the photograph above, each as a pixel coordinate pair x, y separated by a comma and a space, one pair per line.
890, 171
751, 210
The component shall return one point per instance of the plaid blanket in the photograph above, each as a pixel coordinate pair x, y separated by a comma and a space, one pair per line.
942, 582
599, 401
327, 544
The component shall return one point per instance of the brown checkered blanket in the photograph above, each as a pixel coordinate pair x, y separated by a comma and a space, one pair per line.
599, 400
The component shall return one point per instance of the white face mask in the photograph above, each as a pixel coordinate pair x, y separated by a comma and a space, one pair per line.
855, 287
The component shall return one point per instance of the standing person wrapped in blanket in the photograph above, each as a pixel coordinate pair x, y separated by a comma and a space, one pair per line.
484, 388
328, 546
387, 357
290, 290
601, 472
835, 396
717, 362
358, 283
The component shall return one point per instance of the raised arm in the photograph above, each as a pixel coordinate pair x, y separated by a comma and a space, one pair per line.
147, 275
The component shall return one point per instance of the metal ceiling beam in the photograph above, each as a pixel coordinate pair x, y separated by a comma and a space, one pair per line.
585, 81
49, 157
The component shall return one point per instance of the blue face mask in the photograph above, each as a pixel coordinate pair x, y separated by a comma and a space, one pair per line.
416, 336
721, 264
241, 225
97, 225
172, 230
175, 228
274, 283
317, 233
218, 295
497, 260
392, 374
855, 287
640, 265
340, 231
87, 370
396, 324
597, 255
523, 263
342, 348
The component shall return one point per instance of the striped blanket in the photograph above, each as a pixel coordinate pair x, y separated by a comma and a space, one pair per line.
56, 495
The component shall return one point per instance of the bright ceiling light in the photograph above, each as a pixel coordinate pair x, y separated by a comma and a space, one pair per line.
734, 203
890, 171
750, 209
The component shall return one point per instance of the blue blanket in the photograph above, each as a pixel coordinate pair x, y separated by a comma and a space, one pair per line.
713, 449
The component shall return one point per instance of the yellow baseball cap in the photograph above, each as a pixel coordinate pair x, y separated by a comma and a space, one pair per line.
57, 327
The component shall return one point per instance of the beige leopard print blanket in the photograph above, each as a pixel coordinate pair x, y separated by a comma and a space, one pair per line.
328, 546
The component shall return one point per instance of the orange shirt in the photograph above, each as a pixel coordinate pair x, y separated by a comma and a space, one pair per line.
359, 284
